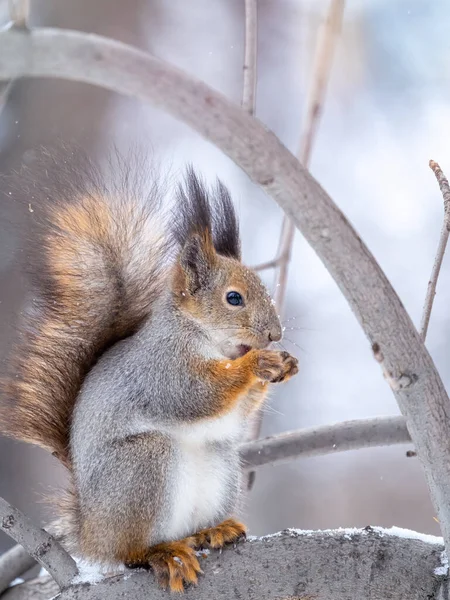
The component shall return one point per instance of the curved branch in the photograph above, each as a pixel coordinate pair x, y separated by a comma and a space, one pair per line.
348, 435
38, 543
374, 564
398, 347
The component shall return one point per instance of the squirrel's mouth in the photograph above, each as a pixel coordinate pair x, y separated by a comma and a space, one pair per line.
236, 351
242, 349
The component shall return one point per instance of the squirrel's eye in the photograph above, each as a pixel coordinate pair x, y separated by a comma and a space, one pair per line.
235, 299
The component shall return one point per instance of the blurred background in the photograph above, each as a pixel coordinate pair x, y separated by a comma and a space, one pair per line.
387, 112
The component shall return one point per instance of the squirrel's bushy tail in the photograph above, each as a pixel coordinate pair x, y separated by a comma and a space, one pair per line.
96, 263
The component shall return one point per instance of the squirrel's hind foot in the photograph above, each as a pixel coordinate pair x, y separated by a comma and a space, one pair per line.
173, 563
230, 531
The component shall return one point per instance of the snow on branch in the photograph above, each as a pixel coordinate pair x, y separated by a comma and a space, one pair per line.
373, 563
38, 543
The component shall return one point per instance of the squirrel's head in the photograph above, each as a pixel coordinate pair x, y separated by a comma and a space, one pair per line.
210, 284
225, 298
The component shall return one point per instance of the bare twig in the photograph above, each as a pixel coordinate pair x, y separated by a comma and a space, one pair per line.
5, 86
249, 84
268, 265
5, 90
371, 563
325, 49
413, 377
349, 435
19, 12
250, 56
40, 544
431, 291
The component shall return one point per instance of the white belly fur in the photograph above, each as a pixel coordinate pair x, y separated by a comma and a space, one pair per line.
199, 493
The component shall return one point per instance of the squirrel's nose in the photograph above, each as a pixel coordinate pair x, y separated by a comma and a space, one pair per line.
275, 334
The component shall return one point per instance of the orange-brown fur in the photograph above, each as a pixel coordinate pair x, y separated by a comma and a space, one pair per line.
231, 379
176, 563
87, 312
229, 531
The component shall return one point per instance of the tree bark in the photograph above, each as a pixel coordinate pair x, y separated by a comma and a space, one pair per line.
372, 564
328, 439
38, 543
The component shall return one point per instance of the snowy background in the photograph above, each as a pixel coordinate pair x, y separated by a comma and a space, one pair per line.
387, 113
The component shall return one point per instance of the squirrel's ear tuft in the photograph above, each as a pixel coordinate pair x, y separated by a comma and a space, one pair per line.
197, 258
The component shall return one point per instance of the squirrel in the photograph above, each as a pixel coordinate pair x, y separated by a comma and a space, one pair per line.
143, 355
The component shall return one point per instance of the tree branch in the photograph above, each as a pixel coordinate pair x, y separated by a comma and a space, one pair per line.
13, 564
250, 56
317, 441
42, 588
270, 264
38, 543
373, 564
19, 11
348, 435
5, 90
431, 291
396, 343
325, 48
326, 45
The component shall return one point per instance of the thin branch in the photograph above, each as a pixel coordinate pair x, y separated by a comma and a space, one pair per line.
325, 49
5, 86
14, 563
5, 90
41, 588
19, 12
348, 435
371, 563
268, 265
431, 291
405, 361
38, 543
250, 56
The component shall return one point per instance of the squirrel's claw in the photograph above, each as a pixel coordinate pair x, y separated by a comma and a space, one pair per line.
230, 531
174, 564
275, 366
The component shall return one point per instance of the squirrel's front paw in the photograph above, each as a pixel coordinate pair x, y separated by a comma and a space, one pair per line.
275, 366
